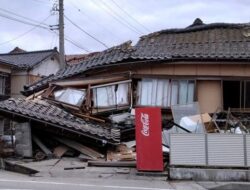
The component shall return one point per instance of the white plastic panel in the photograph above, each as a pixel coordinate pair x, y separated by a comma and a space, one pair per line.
248, 149
187, 149
225, 150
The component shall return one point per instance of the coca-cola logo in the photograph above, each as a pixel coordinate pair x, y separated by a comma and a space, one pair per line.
145, 124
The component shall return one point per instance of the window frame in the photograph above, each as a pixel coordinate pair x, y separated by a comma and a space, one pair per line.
170, 89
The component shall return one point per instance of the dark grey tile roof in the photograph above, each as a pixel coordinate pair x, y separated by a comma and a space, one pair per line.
45, 112
112, 55
26, 60
217, 41
4, 61
202, 41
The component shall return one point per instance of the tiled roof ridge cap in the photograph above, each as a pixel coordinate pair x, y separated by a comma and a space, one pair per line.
200, 27
123, 47
30, 52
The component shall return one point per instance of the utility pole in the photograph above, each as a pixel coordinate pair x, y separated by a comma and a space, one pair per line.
61, 34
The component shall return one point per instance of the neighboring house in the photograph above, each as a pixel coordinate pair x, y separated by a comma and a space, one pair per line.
5, 70
28, 67
208, 63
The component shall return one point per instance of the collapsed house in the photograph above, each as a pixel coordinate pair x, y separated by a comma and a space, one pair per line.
208, 63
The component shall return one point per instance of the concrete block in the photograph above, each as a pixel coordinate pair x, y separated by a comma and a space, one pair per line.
204, 174
23, 139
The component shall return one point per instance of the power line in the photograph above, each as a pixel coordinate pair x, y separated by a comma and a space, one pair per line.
22, 21
43, 2
77, 45
85, 32
93, 20
120, 17
68, 39
117, 19
130, 16
10, 12
48, 28
36, 26
23, 34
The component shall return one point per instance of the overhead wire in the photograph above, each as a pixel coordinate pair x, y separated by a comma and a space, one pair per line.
77, 45
36, 25
25, 33
129, 15
68, 39
42, 2
22, 21
119, 20
12, 13
94, 20
120, 17
85, 32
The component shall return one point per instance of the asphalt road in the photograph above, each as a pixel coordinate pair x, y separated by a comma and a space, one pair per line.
20, 184
15, 181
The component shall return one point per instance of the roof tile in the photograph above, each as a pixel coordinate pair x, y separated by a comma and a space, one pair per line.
198, 41
44, 111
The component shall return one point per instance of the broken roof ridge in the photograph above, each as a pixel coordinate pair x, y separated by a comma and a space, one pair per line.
123, 47
45, 112
198, 26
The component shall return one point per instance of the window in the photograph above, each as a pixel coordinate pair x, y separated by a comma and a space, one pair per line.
235, 94
70, 96
2, 85
112, 95
164, 92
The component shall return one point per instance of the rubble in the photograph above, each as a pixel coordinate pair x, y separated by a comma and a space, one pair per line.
93, 121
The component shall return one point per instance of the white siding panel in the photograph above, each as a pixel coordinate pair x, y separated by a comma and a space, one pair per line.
248, 149
187, 149
225, 150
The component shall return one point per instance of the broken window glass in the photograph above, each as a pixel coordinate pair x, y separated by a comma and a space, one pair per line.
164, 92
113, 95
70, 96
189, 117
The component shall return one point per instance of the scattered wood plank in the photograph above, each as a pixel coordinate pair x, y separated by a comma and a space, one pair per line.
33, 96
84, 116
81, 148
84, 158
42, 146
112, 164
14, 167
73, 168
121, 156
60, 150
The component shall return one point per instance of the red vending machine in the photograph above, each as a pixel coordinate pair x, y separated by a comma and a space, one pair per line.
149, 156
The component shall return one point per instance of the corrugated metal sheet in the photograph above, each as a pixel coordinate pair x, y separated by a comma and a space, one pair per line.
187, 149
225, 150
248, 149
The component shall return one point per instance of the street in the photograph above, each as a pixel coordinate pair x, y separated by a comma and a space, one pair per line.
41, 185
14, 181
60, 181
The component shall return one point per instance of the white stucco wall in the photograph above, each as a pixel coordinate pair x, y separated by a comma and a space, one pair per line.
21, 78
45, 68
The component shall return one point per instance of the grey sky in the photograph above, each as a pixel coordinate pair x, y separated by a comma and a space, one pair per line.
94, 16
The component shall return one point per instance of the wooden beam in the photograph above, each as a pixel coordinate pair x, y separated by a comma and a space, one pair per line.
112, 164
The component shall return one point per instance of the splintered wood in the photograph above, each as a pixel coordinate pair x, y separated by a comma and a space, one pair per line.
81, 148
121, 153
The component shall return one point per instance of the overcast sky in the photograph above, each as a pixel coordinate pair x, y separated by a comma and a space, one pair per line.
110, 22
